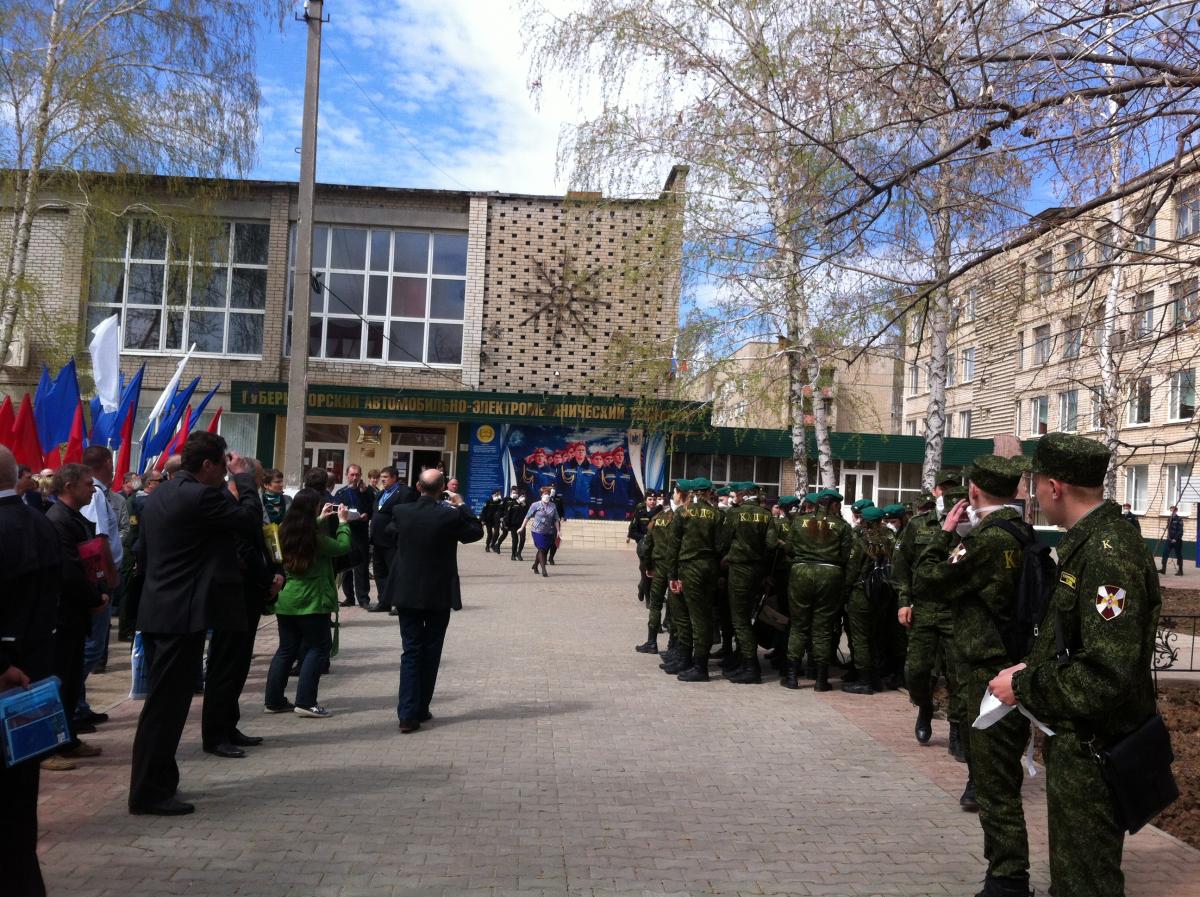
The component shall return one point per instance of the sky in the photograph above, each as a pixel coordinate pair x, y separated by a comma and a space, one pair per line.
414, 93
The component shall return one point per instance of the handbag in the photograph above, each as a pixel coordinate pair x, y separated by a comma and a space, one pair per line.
1137, 770
97, 562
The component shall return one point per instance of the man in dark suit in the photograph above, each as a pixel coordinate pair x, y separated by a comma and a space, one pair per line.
359, 498
30, 577
392, 494
190, 528
423, 587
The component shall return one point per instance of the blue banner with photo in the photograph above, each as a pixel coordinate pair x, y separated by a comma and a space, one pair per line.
601, 473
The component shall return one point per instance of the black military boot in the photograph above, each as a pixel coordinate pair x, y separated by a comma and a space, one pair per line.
749, 673
861, 685
1006, 887
682, 661
670, 646
967, 801
650, 646
698, 671
924, 727
731, 662
852, 674
791, 675
955, 746
822, 683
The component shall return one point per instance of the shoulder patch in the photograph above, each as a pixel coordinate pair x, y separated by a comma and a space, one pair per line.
1110, 601
958, 553
1068, 580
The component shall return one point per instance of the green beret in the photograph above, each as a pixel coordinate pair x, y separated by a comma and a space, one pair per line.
863, 503
947, 477
997, 476
724, 490
831, 494
1072, 459
952, 494
786, 501
872, 514
684, 485
812, 498
745, 486
701, 484
925, 498
894, 510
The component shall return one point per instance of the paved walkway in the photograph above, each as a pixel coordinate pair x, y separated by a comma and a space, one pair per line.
560, 763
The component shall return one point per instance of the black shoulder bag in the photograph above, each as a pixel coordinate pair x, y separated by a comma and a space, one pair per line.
1138, 772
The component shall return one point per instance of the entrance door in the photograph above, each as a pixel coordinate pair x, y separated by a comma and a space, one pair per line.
422, 459
402, 461
857, 484
331, 458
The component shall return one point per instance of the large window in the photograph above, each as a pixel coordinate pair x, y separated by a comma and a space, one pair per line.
1143, 315
1073, 250
1072, 336
1041, 344
968, 364
1177, 478
172, 291
1184, 296
1187, 213
1144, 241
1068, 410
722, 469
1039, 415
1044, 271
1106, 244
1182, 395
964, 424
1136, 480
914, 379
1020, 359
1139, 402
387, 296
951, 368
971, 304
898, 483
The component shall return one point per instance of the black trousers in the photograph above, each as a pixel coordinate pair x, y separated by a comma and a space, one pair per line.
382, 567
229, 656
518, 542
68, 666
154, 776
19, 828
1173, 548
493, 536
356, 580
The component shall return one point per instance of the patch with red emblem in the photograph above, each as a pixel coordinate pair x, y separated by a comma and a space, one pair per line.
1110, 602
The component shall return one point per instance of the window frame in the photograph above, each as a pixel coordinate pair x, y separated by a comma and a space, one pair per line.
1187, 213
1135, 475
1043, 345
1139, 396
1143, 315
1043, 270
1072, 336
968, 365
965, 419
1145, 240
1039, 416
1068, 411
1174, 405
1173, 474
1074, 263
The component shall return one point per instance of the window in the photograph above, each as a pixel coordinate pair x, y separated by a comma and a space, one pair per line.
914, 379
1139, 402
1182, 395
949, 424
172, 291
1143, 315
1068, 411
1106, 247
964, 424
898, 482
968, 365
1187, 213
1041, 344
1177, 479
1136, 480
1074, 258
915, 324
1144, 241
1017, 418
1039, 415
1072, 336
912, 428
1020, 349
1043, 267
1184, 302
1097, 423
951, 368
955, 313
393, 296
971, 304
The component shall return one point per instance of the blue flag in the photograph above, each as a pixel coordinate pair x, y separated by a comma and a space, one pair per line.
154, 445
54, 406
106, 428
199, 409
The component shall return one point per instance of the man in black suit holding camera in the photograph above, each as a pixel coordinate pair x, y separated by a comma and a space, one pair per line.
392, 494
190, 528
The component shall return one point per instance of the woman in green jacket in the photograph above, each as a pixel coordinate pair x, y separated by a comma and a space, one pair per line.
307, 599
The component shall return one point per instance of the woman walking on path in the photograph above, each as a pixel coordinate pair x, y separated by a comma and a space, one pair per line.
547, 527
307, 599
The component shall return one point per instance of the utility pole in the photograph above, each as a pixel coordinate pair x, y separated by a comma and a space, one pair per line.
293, 442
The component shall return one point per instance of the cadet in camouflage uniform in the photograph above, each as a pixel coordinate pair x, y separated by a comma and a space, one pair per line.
975, 571
819, 547
748, 539
868, 615
779, 570
727, 501
1105, 608
654, 548
931, 633
678, 657
693, 566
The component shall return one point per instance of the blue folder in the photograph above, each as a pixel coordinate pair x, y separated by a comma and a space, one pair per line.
32, 721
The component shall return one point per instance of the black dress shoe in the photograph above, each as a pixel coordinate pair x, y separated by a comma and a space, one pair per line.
82, 728
241, 740
224, 749
425, 717
409, 725
393, 611
349, 602
168, 807
377, 608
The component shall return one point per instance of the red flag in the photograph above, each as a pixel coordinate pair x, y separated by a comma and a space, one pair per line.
74, 452
25, 445
6, 422
123, 452
212, 424
177, 441
53, 461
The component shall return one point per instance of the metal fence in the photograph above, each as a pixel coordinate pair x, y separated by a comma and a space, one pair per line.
1175, 643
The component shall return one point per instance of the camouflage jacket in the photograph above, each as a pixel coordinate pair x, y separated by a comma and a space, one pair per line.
749, 535
695, 535
874, 543
820, 538
919, 532
656, 545
977, 578
1107, 604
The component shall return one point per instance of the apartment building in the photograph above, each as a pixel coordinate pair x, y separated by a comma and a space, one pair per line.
1026, 331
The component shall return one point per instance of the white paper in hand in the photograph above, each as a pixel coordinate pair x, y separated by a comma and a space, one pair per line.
991, 709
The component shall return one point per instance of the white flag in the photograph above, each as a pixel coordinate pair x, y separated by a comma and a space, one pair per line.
167, 394
105, 349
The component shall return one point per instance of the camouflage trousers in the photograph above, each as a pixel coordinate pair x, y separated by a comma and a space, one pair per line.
868, 631
656, 592
745, 588
699, 591
814, 599
994, 759
930, 645
1085, 837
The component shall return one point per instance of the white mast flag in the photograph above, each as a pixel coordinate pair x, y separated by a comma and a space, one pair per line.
168, 393
105, 349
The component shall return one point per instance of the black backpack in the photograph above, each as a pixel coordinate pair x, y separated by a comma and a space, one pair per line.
877, 581
1038, 578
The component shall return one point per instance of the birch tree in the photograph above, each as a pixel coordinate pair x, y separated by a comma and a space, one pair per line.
161, 87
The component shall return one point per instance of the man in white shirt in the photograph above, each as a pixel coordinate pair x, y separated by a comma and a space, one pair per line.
103, 512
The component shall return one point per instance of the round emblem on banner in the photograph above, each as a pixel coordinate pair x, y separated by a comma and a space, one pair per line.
485, 433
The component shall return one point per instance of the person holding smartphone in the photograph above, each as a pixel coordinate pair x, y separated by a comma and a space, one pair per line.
357, 496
